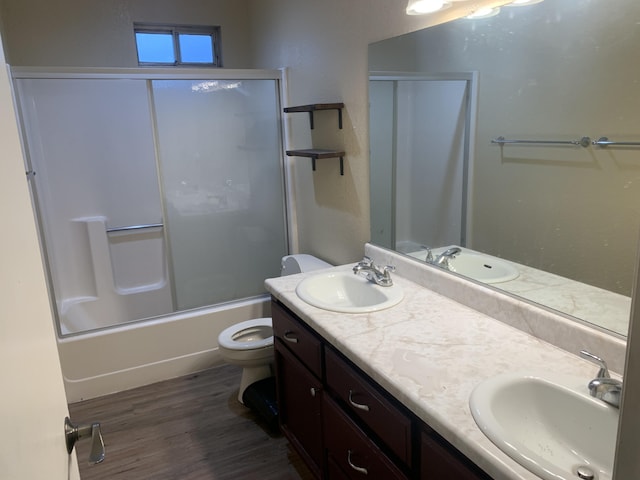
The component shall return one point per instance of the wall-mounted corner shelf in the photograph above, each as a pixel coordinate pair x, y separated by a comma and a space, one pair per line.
318, 106
315, 153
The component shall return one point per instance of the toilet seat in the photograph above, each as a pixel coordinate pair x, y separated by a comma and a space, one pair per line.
249, 344
231, 337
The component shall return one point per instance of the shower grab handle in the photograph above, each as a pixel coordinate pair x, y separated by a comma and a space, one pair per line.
135, 227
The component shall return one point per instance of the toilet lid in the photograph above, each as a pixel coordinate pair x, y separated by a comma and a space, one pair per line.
228, 337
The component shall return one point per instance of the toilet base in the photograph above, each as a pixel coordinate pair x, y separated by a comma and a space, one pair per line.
251, 375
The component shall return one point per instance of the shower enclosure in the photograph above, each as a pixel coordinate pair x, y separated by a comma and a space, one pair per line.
156, 192
420, 130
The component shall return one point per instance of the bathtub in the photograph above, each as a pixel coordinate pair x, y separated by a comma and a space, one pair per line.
131, 355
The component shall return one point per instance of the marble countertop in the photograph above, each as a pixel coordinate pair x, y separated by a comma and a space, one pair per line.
430, 352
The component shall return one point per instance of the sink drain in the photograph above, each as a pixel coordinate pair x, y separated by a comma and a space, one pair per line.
585, 473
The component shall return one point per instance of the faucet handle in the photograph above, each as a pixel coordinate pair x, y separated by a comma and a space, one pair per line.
429, 257
366, 261
604, 370
386, 270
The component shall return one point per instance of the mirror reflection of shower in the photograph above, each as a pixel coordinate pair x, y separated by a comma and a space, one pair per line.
154, 195
420, 128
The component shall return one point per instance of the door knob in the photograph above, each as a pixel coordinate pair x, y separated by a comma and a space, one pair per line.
73, 433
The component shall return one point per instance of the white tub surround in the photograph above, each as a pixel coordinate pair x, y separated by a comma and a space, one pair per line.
430, 352
139, 353
126, 278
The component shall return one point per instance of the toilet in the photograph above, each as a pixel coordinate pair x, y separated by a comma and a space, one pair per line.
249, 344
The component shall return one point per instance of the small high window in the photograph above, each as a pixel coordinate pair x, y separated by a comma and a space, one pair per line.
164, 45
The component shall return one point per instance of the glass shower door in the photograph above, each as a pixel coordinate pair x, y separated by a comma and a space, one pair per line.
219, 157
91, 144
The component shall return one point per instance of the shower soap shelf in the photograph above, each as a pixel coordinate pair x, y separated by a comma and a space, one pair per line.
316, 153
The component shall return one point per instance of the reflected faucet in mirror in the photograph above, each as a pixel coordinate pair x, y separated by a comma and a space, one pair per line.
442, 260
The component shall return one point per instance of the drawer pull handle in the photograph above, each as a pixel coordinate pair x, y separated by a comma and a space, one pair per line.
314, 391
358, 469
359, 406
288, 338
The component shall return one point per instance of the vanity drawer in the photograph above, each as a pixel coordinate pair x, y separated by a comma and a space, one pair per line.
362, 399
350, 453
298, 338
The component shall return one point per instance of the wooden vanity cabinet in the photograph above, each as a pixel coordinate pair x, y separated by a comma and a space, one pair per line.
439, 460
299, 339
388, 423
343, 424
351, 450
300, 408
299, 388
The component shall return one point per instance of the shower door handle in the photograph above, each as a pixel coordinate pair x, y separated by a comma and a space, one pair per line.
73, 433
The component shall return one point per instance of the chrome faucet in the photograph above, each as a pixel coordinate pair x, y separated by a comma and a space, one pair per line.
374, 273
603, 386
442, 260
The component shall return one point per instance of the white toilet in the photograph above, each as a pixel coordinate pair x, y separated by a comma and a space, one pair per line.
249, 344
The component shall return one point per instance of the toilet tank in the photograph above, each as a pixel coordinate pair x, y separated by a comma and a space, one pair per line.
300, 263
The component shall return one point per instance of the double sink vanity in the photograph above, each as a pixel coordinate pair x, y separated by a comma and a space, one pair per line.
435, 377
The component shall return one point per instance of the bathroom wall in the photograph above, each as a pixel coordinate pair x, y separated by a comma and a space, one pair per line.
326, 54
627, 461
90, 33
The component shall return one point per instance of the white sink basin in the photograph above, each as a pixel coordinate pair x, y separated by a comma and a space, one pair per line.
347, 293
548, 424
483, 268
475, 265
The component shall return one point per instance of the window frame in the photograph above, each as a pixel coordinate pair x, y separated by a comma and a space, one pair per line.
175, 31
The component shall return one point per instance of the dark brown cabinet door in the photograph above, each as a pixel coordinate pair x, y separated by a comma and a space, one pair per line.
363, 400
351, 451
333, 470
299, 402
439, 461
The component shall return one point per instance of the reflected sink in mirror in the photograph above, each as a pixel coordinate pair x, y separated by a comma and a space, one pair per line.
346, 292
548, 423
475, 265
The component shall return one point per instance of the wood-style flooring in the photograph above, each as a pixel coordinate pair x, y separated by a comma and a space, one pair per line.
188, 428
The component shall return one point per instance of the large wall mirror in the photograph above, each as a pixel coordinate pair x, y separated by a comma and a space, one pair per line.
517, 138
